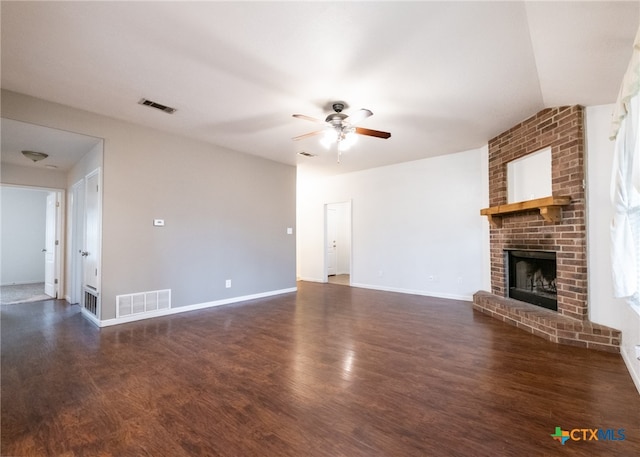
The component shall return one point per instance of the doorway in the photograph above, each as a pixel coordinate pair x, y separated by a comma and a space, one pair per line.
338, 243
70, 157
32, 242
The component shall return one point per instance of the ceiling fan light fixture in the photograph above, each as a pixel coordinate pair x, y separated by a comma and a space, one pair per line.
34, 155
347, 141
329, 137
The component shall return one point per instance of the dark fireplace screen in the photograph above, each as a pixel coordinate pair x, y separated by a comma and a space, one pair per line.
531, 277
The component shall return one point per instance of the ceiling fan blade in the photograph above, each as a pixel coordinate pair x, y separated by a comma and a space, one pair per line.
369, 132
308, 118
307, 135
359, 116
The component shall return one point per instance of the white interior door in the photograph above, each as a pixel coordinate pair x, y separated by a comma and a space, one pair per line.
91, 251
50, 286
77, 241
332, 248
338, 239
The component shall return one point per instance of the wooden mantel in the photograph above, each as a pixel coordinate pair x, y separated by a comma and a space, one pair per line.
550, 209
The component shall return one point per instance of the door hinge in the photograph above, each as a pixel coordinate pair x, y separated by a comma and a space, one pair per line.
55, 281
57, 242
57, 204
96, 272
96, 188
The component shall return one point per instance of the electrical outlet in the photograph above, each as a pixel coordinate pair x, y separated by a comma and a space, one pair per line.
227, 283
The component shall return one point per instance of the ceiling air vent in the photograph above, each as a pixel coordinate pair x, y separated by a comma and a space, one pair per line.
166, 109
306, 154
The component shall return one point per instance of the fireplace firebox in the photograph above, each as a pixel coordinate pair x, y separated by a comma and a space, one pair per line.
531, 277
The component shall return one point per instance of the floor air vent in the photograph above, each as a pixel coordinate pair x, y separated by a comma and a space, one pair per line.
143, 302
90, 301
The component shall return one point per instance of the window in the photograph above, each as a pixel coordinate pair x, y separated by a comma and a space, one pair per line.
634, 219
625, 196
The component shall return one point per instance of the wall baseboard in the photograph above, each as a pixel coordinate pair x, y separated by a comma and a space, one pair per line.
184, 309
90, 317
635, 376
300, 278
424, 293
23, 283
399, 290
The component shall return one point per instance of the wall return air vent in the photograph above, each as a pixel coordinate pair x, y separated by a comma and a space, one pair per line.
166, 109
143, 302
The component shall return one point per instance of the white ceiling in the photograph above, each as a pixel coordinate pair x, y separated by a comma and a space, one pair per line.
442, 77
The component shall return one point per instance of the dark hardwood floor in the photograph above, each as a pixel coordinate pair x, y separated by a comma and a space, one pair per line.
327, 371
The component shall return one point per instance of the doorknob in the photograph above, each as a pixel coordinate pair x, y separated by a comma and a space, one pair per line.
84, 253
44, 250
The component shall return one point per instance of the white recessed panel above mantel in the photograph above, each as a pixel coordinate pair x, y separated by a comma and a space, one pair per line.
529, 177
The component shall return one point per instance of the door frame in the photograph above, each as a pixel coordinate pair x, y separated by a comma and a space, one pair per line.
97, 173
59, 233
51, 244
98, 235
331, 228
349, 206
78, 221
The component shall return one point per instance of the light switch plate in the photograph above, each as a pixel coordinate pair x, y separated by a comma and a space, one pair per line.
158, 222
289, 230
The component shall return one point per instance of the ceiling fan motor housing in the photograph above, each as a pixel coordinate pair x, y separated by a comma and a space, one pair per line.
336, 119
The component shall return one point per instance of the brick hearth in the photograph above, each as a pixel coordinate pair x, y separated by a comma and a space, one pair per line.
548, 324
561, 129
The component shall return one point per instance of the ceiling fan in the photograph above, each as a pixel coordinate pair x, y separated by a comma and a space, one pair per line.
340, 128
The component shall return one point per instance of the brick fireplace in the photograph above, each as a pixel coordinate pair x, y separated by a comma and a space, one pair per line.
531, 229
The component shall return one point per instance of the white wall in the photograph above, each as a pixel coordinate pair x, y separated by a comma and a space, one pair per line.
416, 226
91, 161
603, 308
23, 235
30, 176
